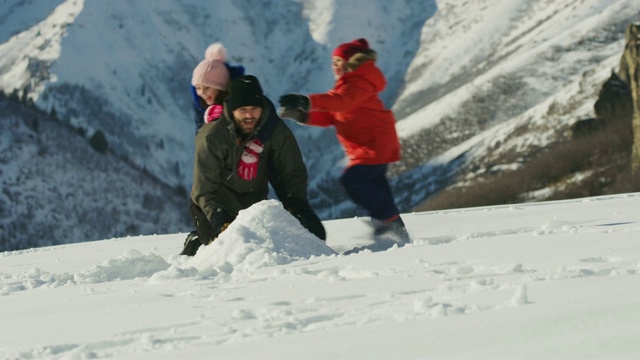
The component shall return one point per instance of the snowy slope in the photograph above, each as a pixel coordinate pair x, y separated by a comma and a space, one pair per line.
29, 51
57, 192
552, 280
547, 44
470, 82
505, 78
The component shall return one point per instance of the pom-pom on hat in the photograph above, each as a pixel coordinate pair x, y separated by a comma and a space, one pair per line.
347, 50
244, 91
212, 71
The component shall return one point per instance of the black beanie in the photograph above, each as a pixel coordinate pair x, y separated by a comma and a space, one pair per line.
244, 91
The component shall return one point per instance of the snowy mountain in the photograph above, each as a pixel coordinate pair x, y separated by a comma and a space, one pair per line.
90, 192
558, 280
529, 71
474, 85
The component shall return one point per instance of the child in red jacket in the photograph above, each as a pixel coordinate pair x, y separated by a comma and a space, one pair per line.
364, 127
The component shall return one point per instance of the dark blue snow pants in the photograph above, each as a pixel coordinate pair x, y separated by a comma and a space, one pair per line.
368, 187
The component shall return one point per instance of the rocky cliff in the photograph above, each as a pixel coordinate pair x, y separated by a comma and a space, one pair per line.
630, 73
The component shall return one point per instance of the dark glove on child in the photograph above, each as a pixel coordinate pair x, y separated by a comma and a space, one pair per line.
295, 101
294, 106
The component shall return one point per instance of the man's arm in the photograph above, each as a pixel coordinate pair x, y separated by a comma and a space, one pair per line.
289, 179
207, 180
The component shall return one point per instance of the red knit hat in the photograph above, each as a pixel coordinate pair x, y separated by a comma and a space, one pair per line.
347, 50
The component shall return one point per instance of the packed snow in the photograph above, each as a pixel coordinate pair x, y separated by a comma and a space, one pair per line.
553, 280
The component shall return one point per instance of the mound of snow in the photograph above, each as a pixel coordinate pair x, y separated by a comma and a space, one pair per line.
263, 235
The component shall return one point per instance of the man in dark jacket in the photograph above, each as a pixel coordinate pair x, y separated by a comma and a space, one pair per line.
238, 156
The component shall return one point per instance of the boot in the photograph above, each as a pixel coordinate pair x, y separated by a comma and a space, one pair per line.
391, 231
191, 244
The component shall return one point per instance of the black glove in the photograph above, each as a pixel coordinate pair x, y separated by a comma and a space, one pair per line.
295, 101
294, 106
295, 114
208, 230
301, 210
220, 221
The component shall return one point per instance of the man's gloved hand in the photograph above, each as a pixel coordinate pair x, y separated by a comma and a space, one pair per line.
294, 106
219, 222
301, 210
219, 231
208, 230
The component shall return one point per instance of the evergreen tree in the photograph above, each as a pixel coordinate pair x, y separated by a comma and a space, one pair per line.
99, 142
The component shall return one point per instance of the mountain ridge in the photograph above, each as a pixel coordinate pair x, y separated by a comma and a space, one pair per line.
475, 86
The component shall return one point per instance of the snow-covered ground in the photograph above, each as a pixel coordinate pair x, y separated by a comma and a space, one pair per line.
552, 280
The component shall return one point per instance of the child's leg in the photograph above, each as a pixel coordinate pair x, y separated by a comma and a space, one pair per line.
367, 186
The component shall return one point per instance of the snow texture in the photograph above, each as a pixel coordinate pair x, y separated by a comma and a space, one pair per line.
552, 280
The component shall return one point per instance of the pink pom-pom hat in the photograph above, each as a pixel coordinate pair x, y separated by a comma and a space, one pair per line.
212, 71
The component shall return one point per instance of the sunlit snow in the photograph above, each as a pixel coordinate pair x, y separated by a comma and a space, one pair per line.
553, 280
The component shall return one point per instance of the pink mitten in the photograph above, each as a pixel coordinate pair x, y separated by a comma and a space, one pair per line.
248, 164
212, 113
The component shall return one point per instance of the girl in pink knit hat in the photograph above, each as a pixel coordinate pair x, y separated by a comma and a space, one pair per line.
209, 88
209, 84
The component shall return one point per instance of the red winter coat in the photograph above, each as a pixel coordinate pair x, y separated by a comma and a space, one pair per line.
366, 130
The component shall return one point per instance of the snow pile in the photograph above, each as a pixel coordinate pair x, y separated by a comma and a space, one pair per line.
131, 265
263, 235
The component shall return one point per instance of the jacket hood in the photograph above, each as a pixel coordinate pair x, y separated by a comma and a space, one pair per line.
371, 73
360, 58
